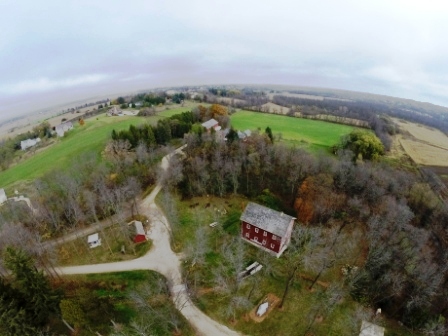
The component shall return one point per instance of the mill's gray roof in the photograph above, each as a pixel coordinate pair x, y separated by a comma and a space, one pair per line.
267, 219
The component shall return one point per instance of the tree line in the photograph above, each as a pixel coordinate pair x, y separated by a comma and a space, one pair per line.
165, 130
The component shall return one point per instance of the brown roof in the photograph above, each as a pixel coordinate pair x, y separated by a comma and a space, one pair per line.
266, 219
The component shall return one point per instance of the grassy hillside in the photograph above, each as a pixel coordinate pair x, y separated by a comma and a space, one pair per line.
91, 137
314, 134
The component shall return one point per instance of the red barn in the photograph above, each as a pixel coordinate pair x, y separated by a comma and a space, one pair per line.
267, 229
139, 235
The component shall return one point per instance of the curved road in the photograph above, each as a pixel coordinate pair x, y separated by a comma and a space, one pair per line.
163, 260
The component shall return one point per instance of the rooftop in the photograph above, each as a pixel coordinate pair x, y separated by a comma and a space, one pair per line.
138, 227
370, 329
267, 219
93, 238
210, 123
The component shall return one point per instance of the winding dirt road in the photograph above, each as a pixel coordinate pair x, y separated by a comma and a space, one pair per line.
163, 260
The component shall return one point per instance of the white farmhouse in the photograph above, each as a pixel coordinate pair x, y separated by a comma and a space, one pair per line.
25, 144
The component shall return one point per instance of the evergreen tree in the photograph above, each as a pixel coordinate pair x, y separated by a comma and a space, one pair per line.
232, 135
27, 300
268, 132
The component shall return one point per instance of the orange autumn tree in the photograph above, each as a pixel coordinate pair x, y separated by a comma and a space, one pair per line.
217, 111
317, 200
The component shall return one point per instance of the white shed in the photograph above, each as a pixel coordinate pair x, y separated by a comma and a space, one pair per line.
25, 144
3, 197
94, 240
262, 309
370, 329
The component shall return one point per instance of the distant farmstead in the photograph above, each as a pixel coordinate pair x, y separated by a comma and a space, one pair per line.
62, 128
25, 144
267, 229
114, 112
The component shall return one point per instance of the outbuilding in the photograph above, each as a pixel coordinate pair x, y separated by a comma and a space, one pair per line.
370, 329
25, 144
139, 234
3, 197
94, 240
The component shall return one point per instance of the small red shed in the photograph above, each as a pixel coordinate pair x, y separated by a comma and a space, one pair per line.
140, 235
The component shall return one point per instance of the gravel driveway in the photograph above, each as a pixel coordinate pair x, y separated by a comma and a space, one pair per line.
163, 260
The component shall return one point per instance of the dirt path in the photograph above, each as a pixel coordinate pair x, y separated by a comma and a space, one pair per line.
163, 260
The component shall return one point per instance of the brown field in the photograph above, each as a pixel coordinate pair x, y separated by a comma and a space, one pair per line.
304, 96
274, 108
227, 100
426, 146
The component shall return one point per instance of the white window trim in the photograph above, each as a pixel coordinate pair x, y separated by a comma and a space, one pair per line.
247, 226
247, 235
264, 241
256, 238
272, 245
256, 230
274, 237
265, 233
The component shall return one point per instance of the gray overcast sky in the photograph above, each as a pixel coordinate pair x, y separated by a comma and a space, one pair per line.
60, 51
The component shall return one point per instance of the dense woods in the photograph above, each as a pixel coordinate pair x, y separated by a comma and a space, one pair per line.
404, 267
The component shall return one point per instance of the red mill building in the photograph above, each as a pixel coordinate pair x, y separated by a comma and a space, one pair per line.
267, 229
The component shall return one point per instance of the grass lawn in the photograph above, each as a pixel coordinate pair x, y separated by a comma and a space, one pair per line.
77, 252
201, 211
91, 137
314, 134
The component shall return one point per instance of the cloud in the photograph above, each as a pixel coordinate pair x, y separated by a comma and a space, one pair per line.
45, 84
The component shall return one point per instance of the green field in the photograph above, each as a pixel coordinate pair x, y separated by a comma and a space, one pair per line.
313, 134
91, 137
